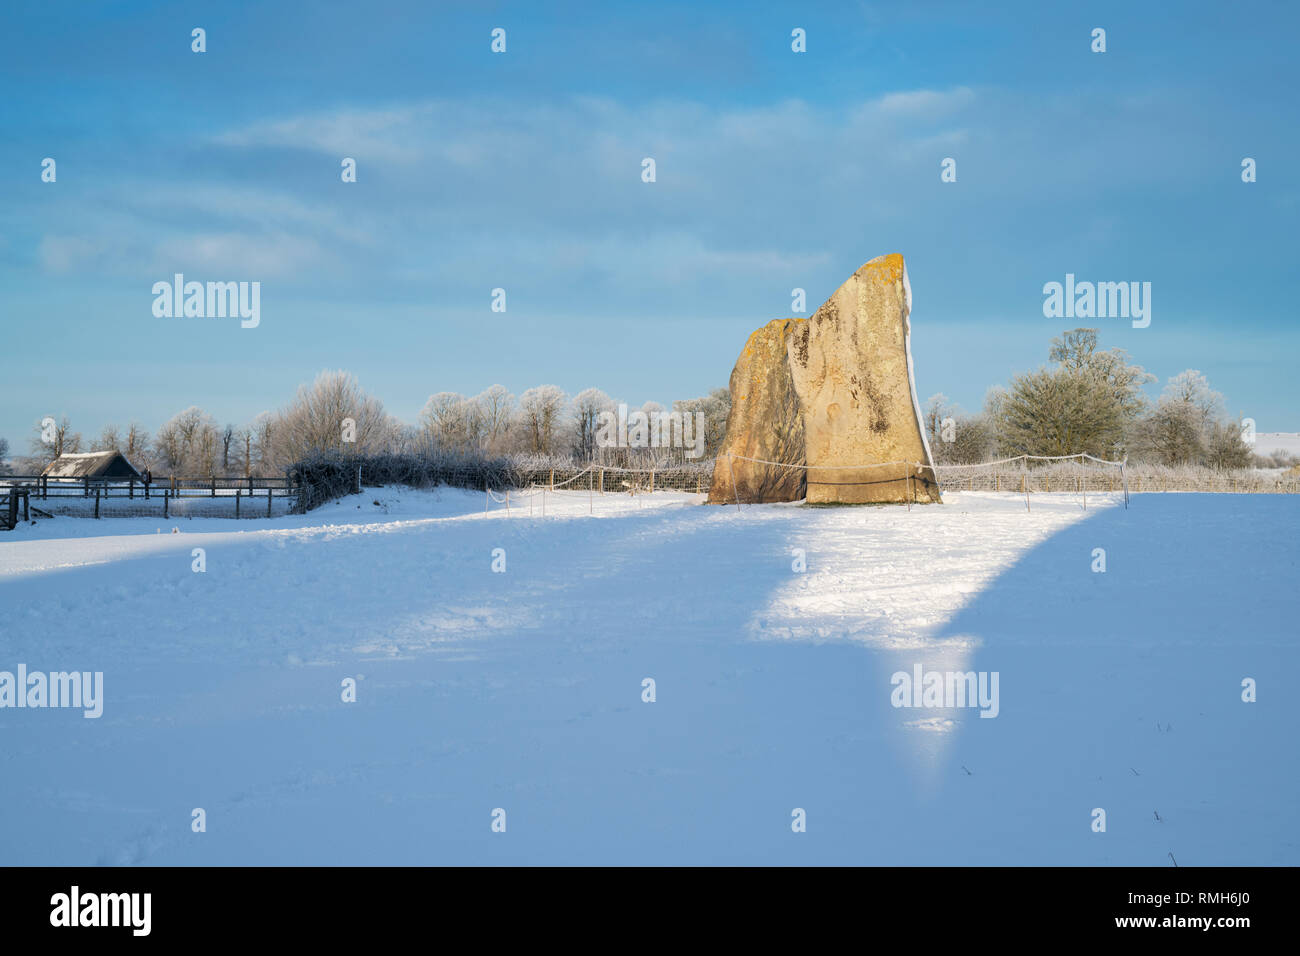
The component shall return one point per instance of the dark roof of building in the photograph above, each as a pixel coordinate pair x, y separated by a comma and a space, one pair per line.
91, 464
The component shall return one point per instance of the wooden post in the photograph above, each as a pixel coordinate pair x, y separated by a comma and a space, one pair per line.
552, 488
268, 501
602, 481
173, 484
166, 499
214, 484
238, 491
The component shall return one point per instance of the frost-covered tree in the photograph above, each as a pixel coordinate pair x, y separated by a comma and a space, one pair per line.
716, 406
497, 411
316, 421
452, 422
957, 438
1087, 403
588, 406
1060, 411
187, 444
541, 411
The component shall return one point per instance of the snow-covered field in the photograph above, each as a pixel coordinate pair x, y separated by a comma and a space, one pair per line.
522, 690
1266, 443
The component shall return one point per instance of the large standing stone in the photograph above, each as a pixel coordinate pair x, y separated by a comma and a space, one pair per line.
852, 369
764, 422
835, 393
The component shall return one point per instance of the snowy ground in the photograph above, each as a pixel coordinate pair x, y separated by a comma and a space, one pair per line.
522, 690
1268, 442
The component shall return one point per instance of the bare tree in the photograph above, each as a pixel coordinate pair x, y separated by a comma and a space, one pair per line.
48, 443
137, 446
227, 439
110, 439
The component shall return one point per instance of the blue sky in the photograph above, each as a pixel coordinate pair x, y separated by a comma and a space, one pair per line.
775, 170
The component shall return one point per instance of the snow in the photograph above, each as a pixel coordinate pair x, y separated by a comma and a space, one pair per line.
522, 690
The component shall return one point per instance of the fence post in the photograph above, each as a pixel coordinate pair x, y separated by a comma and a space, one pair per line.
85, 487
130, 487
268, 501
214, 484
26, 501
173, 484
167, 495
602, 481
237, 493
552, 488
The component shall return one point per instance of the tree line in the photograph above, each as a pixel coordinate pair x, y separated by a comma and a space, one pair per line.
1086, 399
333, 414
1089, 399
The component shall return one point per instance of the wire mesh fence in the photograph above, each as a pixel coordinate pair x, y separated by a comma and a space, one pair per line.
253, 497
